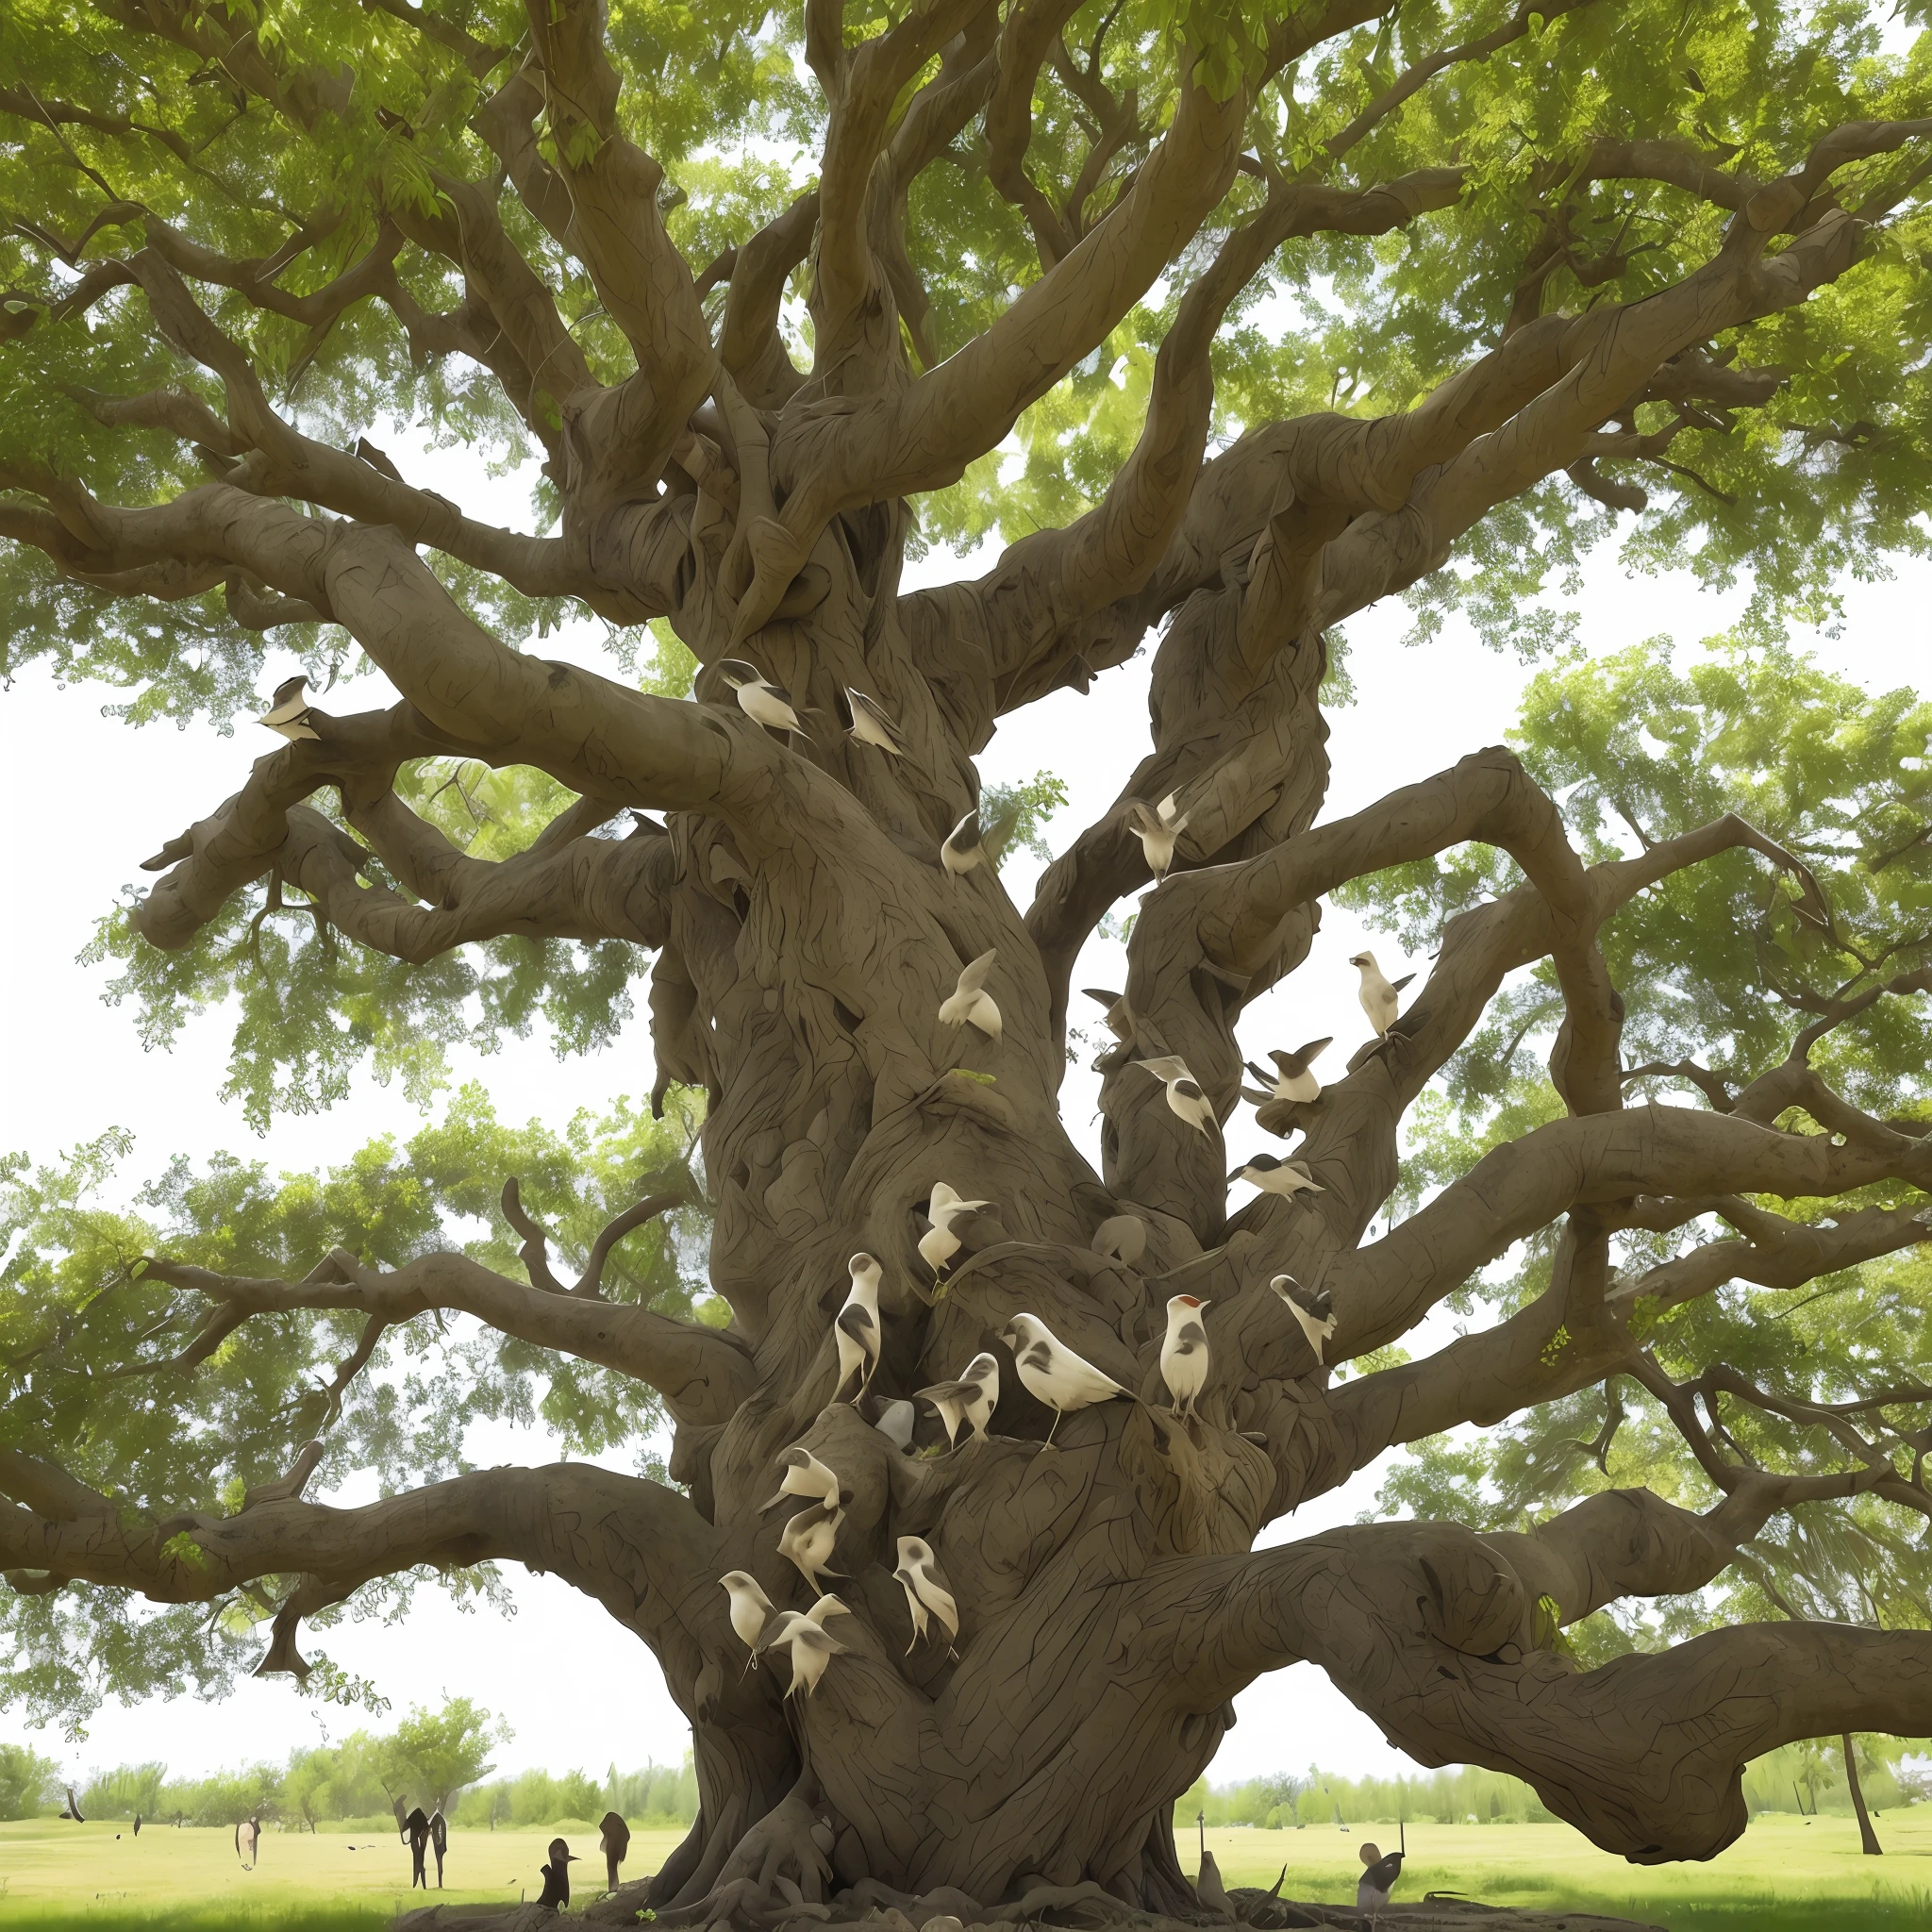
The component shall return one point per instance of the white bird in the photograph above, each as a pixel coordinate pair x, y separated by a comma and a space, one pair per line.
825, 1606
970, 1400
1051, 1372
288, 712
970, 1002
1292, 1081
858, 1326
938, 1244
805, 1475
1184, 1094
758, 698
1156, 830
1314, 1314
807, 1540
1184, 1353
1378, 991
927, 1591
751, 1610
870, 723
809, 1647
1275, 1177
970, 841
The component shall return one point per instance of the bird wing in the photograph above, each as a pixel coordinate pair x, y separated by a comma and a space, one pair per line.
1189, 1335
974, 977
1314, 1049
1166, 1066
858, 702
947, 1392
1100, 994
937, 1599
970, 823
1396, 986
855, 1321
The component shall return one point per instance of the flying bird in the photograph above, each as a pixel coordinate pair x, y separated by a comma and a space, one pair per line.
868, 721
1314, 1313
758, 698
1291, 1079
1156, 830
970, 1400
288, 712
938, 1244
805, 1475
971, 1003
1275, 1177
1378, 991
1372, 1889
751, 1610
970, 841
1184, 1353
1051, 1372
1184, 1094
928, 1593
807, 1539
858, 1326
1121, 1237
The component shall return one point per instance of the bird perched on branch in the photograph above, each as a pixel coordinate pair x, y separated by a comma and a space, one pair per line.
928, 1593
1052, 1374
1156, 828
1314, 1313
805, 1475
1275, 1177
288, 711
1184, 1353
751, 1610
969, 1003
970, 1400
1372, 1889
868, 721
807, 1643
938, 1244
1378, 991
970, 841
807, 1540
858, 1326
1184, 1094
1291, 1079
760, 700
1119, 1015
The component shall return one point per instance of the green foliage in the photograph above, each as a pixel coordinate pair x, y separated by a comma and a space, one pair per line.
1032, 802
129, 1790
1640, 747
433, 1754
1291, 1801
77, 1310
27, 1781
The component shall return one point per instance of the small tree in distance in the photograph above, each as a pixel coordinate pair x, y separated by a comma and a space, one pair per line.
433, 1754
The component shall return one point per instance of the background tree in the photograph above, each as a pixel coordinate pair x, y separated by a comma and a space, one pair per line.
433, 1754
1444, 292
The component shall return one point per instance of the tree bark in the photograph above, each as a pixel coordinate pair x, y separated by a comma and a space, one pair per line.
1868, 1839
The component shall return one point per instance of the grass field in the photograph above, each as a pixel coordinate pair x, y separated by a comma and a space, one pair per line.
1785, 1876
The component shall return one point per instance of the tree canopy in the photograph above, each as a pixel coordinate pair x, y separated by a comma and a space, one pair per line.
1212, 325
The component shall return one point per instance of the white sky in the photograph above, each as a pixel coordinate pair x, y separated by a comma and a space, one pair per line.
71, 1066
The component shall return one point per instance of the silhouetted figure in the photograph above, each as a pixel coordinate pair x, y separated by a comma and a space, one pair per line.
395, 1805
137, 1825
73, 1812
247, 1841
418, 1826
438, 1841
613, 1844
557, 1875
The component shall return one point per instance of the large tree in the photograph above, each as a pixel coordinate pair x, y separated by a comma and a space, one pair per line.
1291, 309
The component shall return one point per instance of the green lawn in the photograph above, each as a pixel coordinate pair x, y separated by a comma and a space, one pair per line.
1785, 1876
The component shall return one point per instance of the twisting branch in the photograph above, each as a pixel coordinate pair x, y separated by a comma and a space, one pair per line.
703, 1374
535, 1252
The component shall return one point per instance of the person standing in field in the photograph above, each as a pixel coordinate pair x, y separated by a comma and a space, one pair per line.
417, 1824
247, 1841
438, 1844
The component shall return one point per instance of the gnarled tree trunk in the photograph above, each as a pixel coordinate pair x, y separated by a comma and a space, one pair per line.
807, 935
